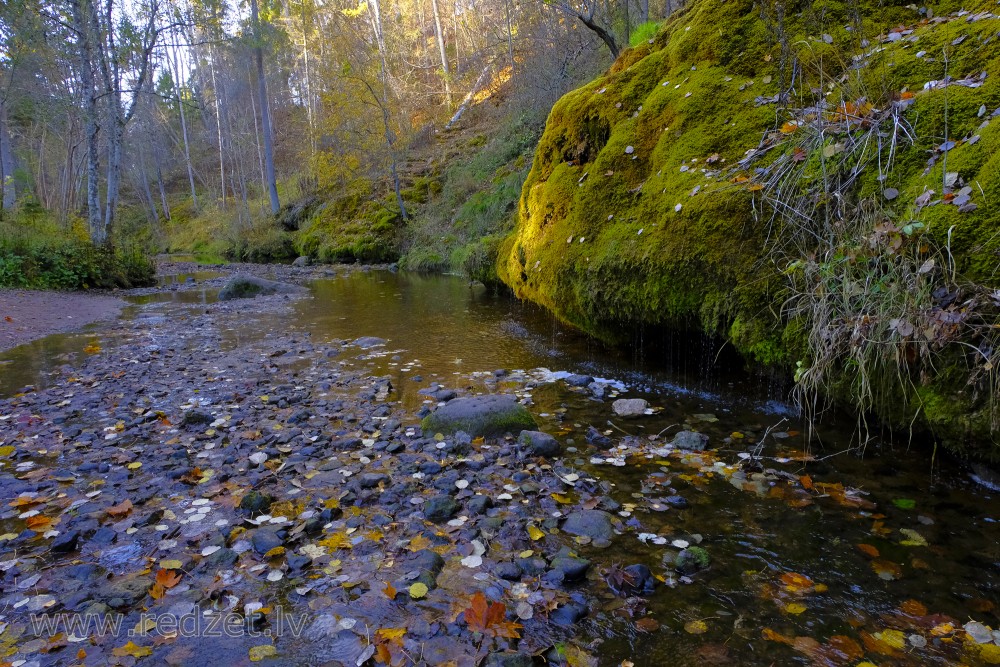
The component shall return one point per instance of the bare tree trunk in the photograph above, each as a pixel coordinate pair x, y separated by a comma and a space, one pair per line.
218, 126
265, 115
175, 75
445, 72
163, 190
643, 11
81, 23
9, 197
383, 102
510, 37
256, 140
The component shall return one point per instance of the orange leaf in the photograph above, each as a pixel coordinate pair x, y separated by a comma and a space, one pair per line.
789, 127
38, 523
806, 481
389, 591
476, 613
487, 618
773, 636
167, 578
913, 608
868, 550
906, 95
796, 582
886, 569
121, 509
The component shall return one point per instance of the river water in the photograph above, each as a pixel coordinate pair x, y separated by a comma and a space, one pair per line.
822, 552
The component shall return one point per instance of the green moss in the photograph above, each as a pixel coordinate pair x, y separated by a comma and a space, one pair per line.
355, 226
600, 240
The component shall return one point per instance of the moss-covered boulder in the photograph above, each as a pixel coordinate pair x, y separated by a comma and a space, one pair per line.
665, 193
490, 415
243, 286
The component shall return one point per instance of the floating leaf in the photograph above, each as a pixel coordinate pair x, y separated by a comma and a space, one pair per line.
262, 652
868, 550
905, 503
696, 627
535, 533
132, 649
886, 569
913, 608
418, 590
913, 538
795, 608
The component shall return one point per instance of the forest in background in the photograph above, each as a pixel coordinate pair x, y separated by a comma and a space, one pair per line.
266, 130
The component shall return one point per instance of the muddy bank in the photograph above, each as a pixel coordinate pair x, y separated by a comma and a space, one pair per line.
27, 315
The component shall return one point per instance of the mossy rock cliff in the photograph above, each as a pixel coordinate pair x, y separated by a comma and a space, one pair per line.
645, 204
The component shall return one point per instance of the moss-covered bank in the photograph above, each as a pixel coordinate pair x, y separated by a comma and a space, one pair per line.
655, 195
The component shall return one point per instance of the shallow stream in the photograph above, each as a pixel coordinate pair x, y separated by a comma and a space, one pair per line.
822, 552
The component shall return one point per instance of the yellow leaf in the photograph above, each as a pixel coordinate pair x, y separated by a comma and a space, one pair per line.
135, 465
133, 650
696, 627
6, 450
535, 533
561, 499
391, 634
989, 653
171, 564
418, 543
893, 638
262, 652
795, 608
418, 590
93, 349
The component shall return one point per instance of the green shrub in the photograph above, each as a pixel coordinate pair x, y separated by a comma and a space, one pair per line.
37, 252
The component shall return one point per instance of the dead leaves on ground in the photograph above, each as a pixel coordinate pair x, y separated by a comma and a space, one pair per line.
490, 618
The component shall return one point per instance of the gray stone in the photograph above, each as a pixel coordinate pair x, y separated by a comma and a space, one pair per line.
265, 539
243, 286
490, 415
302, 261
366, 342
124, 591
66, 542
536, 443
690, 440
508, 659
578, 380
630, 407
595, 524
573, 569
440, 508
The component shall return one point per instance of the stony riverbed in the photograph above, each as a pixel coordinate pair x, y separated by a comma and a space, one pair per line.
202, 463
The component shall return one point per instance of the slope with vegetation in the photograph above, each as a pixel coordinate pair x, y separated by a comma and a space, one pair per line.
814, 183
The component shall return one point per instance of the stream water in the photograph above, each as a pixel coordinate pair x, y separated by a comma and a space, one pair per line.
818, 548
